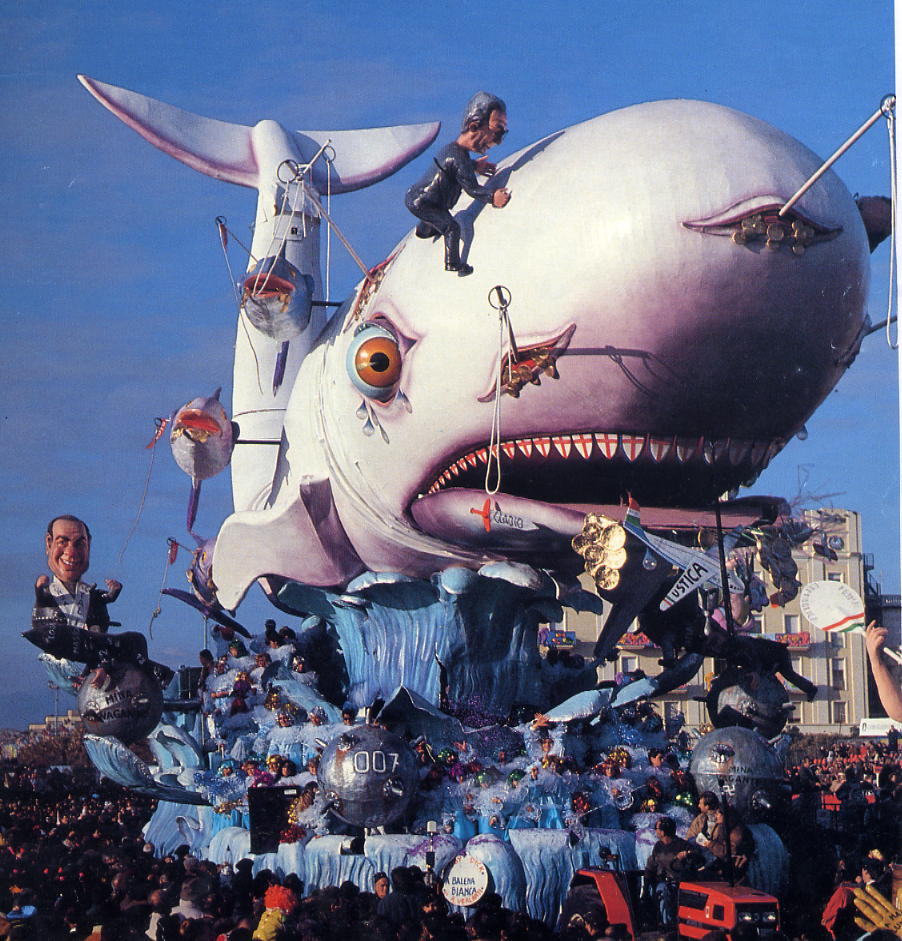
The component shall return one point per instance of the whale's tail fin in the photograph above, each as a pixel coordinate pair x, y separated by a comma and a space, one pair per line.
357, 158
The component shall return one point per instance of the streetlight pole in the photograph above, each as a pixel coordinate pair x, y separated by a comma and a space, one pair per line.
56, 705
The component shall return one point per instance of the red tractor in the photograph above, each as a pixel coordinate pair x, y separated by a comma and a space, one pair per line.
706, 906
702, 906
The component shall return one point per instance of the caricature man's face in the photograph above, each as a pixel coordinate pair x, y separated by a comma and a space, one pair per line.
68, 550
492, 132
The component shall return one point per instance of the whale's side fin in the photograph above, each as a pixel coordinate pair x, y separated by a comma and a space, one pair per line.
289, 541
217, 148
229, 152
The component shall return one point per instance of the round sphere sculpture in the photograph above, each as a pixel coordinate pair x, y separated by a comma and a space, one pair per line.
740, 767
754, 701
368, 775
127, 706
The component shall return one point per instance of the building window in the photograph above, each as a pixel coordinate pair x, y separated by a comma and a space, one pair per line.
628, 664
834, 576
671, 711
838, 674
838, 709
791, 623
755, 625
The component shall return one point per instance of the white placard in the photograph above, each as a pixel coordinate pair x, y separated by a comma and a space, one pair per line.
835, 608
466, 882
832, 606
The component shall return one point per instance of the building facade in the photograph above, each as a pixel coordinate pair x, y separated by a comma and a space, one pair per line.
836, 663
52, 723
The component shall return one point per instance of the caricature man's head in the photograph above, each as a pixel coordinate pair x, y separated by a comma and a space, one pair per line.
486, 120
68, 545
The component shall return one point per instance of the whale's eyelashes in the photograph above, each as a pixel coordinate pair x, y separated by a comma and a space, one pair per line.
374, 361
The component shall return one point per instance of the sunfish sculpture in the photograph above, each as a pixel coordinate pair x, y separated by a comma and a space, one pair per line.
666, 334
202, 439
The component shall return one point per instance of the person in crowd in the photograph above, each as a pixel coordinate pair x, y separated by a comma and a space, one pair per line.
671, 859
732, 844
275, 922
702, 827
381, 885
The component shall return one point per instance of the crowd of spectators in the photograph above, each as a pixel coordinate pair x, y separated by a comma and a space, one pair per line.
74, 864
860, 785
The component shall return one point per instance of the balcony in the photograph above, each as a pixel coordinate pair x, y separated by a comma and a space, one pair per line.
561, 640
637, 641
799, 641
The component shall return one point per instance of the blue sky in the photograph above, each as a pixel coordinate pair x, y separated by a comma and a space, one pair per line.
116, 304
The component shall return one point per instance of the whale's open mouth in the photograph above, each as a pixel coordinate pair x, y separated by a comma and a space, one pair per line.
593, 468
196, 424
541, 460
265, 285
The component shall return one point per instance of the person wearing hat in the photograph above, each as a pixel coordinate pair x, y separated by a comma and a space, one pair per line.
433, 197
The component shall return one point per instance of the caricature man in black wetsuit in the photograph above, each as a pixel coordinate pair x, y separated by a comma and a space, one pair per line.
434, 196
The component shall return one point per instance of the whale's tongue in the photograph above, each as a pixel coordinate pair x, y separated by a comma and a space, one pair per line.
500, 521
473, 518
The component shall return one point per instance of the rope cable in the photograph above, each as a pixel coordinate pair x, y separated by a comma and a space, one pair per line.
134, 526
328, 228
222, 225
250, 343
311, 194
503, 297
494, 451
157, 611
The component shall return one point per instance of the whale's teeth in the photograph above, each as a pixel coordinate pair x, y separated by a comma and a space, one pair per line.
607, 444
583, 445
687, 448
562, 444
715, 449
633, 445
659, 447
611, 445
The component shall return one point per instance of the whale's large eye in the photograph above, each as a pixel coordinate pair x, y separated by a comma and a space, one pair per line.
374, 362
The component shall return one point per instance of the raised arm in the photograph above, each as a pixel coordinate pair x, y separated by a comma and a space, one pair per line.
888, 687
